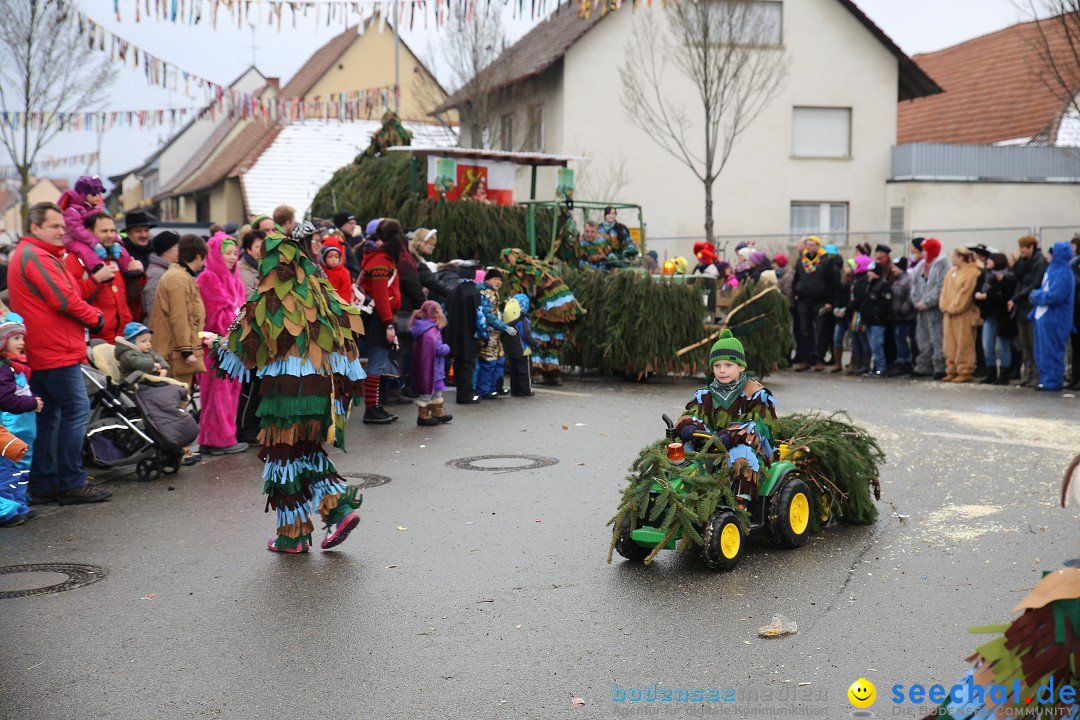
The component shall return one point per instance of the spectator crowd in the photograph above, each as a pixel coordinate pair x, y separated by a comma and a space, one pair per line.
158, 301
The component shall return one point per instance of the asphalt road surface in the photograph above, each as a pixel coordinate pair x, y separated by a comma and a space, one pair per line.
481, 594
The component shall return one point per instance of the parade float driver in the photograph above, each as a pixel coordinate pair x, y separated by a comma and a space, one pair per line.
737, 410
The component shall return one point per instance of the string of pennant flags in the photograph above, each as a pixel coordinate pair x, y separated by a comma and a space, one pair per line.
331, 12
342, 107
85, 160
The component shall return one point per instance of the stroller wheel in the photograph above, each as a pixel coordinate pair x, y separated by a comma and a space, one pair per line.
148, 469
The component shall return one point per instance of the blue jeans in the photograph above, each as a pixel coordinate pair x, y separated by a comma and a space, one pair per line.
488, 373
903, 346
61, 429
990, 339
378, 359
860, 349
839, 331
877, 346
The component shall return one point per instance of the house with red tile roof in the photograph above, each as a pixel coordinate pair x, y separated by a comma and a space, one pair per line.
210, 186
995, 152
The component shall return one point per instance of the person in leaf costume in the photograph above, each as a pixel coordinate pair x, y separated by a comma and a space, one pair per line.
555, 308
738, 410
301, 341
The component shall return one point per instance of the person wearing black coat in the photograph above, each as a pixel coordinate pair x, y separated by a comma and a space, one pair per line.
1074, 265
1028, 271
462, 304
996, 287
817, 282
876, 309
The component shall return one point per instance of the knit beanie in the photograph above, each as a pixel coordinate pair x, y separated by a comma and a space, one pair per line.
863, 263
133, 330
89, 185
165, 241
342, 218
328, 248
917, 243
11, 324
728, 347
372, 226
780, 260
932, 248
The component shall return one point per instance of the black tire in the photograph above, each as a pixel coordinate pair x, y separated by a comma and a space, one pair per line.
625, 545
789, 513
147, 469
724, 541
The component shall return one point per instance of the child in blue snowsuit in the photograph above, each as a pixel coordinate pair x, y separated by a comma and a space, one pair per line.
18, 406
519, 346
13, 481
1053, 317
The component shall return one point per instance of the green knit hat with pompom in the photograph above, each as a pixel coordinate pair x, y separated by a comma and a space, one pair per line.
728, 347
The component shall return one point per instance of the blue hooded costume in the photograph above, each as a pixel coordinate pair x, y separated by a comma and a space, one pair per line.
1053, 317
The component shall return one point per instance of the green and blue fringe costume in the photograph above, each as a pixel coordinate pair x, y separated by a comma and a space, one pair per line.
296, 336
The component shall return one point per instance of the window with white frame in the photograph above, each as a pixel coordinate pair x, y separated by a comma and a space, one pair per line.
819, 218
506, 141
536, 128
821, 132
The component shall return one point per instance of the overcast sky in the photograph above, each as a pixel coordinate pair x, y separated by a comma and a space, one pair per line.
222, 55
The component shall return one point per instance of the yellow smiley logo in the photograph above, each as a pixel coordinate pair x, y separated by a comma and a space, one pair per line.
862, 693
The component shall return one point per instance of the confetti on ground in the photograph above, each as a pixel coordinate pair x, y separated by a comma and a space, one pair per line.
577, 702
402, 527
151, 596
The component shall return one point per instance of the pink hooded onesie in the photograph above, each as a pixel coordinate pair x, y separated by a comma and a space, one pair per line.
222, 295
77, 239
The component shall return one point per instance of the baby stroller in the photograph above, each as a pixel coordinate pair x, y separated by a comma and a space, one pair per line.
133, 423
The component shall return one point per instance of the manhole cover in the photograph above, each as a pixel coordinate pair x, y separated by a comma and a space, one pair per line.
502, 463
78, 575
364, 480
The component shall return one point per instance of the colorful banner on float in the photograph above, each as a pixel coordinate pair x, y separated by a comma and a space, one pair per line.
487, 181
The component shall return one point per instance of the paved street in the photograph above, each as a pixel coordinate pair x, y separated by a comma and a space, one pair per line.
487, 594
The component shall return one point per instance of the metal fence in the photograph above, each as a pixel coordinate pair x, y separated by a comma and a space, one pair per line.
1048, 235
1003, 239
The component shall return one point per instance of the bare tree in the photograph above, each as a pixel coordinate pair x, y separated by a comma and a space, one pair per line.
46, 67
729, 50
597, 181
1056, 43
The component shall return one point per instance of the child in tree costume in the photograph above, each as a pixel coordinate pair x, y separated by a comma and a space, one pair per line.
555, 308
738, 410
301, 341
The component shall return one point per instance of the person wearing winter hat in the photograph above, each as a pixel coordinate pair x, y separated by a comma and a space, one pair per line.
263, 223
855, 315
134, 352
428, 372
166, 246
926, 294
706, 257
18, 405
734, 410
1053, 317
818, 282
491, 366
519, 347
332, 261
651, 261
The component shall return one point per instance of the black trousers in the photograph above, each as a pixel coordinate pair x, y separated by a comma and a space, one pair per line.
812, 328
464, 369
520, 375
247, 423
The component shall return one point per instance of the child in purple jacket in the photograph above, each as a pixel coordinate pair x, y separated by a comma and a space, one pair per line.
79, 203
18, 406
429, 353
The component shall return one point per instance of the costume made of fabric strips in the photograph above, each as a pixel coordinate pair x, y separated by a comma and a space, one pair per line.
555, 308
301, 341
742, 414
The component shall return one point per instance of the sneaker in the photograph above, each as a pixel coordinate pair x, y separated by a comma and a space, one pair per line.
491, 396
375, 415
86, 494
341, 530
502, 392
474, 400
298, 550
13, 521
229, 450
876, 374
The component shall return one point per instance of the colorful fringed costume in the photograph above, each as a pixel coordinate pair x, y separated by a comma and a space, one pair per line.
1040, 645
554, 307
302, 342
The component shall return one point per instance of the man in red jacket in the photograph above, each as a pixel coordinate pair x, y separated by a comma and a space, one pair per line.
47, 296
108, 296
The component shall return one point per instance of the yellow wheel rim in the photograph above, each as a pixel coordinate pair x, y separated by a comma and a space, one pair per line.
826, 507
730, 540
799, 513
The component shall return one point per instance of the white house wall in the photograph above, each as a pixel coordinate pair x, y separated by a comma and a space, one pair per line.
933, 206
835, 62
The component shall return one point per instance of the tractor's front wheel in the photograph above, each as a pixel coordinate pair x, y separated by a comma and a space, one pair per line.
723, 541
625, 545
789, 519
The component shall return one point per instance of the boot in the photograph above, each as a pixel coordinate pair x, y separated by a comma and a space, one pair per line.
991, 377
439, 414
1027, 376
423, 416
838, 358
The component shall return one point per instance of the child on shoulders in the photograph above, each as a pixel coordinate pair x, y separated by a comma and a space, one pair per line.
79, 203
